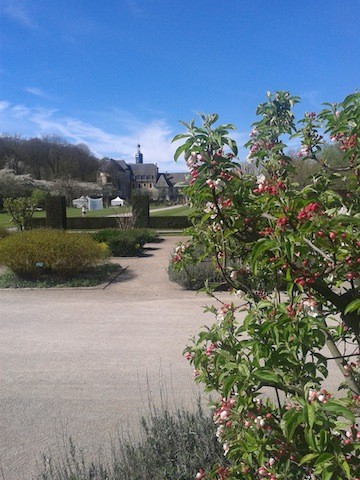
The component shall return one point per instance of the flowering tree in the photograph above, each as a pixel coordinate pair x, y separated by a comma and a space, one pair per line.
290, 257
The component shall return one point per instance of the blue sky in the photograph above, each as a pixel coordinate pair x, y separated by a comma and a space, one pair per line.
114, 73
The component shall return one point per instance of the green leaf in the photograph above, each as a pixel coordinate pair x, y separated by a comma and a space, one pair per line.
228, 384
354, 305
323, 458
327, 473
266, 375
307, 458
260, 247
180, 136
334, 406
180, 150
309, 415
345, 466
310, 438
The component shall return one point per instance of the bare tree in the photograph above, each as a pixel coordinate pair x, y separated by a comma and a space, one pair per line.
11, 152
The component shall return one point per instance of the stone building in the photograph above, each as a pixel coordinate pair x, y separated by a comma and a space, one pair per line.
128, 178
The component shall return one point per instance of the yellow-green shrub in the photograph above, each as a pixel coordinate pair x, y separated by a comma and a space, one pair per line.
34, 252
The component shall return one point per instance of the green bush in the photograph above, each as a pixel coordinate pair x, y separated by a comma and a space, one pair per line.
125, 242
145, 235
35, 252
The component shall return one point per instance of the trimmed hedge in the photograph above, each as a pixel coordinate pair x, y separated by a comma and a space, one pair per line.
32, 253
78, 223
172, 223
97, 223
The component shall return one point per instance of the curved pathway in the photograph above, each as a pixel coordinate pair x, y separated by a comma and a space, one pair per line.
80, 362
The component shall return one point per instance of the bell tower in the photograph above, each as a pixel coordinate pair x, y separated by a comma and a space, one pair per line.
138, 155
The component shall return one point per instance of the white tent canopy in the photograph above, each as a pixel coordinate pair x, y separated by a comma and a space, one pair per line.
95, 203
89, 203
80, 202
116, 202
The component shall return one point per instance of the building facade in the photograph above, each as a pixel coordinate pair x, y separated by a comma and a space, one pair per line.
130, 178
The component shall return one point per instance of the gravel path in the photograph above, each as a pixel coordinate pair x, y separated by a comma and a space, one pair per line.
79, 362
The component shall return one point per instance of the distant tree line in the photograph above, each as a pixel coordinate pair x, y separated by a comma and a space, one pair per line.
47, 158
35, 167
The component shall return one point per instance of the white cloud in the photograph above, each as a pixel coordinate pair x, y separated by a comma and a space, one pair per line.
154, 136
4, 105
18, 11
38, 92
20, 111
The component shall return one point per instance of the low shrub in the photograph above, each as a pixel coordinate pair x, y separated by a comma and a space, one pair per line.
171, 446
194, 277
35, 252
146, 235
127, 242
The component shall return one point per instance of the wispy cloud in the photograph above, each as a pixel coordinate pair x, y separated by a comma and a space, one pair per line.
154, 136
313, 99
18, 11
38, 92
135, 8
4, 105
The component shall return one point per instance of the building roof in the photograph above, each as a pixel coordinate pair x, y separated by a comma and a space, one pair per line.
163, 181
123, 164
177, 177
144, 169
112, 165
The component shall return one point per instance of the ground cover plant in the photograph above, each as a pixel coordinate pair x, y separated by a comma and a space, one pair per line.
304, 244
171, 445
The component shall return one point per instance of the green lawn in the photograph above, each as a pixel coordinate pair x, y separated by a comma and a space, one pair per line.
171, 212
5, 220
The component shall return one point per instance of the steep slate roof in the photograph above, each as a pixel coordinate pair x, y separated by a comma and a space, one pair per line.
175, 178
114, 164
163, 181
144, 169
123, 164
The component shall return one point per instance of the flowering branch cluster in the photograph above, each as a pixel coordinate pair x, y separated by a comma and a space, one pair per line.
292, 255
